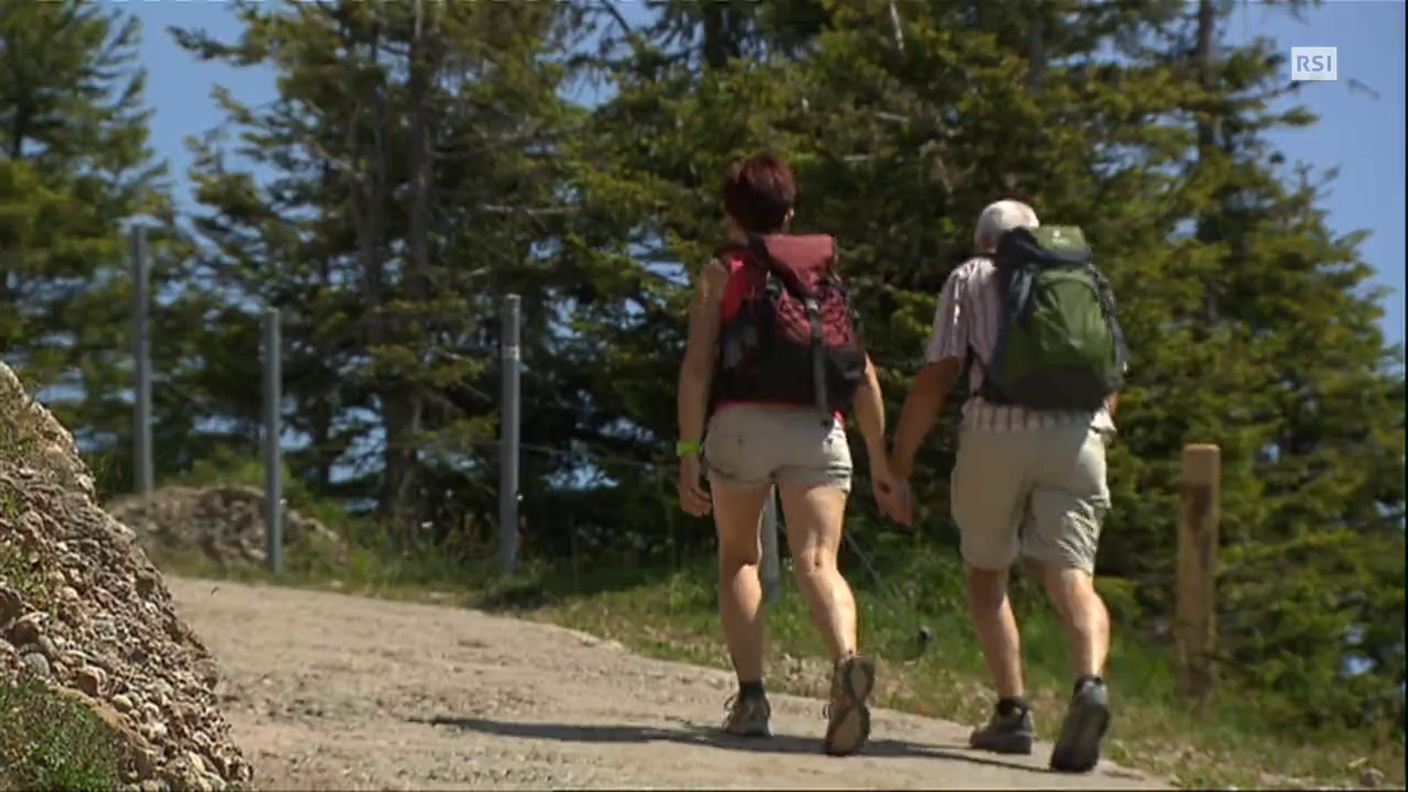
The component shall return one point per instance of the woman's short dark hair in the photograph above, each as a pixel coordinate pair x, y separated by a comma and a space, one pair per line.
759, 192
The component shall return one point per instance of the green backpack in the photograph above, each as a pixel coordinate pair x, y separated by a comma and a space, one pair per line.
1060, 346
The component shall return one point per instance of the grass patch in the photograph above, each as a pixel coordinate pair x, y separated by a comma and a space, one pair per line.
671, 616
18, 570
17, 439
47, 741
12, 506
50, 742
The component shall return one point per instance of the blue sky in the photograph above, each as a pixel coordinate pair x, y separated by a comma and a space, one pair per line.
1361, 135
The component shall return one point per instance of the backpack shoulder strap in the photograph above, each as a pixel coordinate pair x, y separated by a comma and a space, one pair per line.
1106, 296
758, 254
1049, 246
761, 257
729, 253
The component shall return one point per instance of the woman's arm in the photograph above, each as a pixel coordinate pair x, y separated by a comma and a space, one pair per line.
697, 372
870, 414
891, 494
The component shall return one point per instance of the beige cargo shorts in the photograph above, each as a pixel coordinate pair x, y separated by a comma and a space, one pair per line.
752, 445
1039, 494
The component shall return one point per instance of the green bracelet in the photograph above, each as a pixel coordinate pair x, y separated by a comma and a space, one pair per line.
686, 447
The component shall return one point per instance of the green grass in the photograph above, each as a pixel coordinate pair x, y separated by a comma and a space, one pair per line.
17, 440
50, 742
16, 561
671, 615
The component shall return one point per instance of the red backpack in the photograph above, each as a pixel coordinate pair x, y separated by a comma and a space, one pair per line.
789, 334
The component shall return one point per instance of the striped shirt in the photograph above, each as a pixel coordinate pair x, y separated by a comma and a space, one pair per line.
968, 316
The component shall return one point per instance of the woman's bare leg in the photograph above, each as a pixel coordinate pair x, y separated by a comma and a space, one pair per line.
736, 514
814, 516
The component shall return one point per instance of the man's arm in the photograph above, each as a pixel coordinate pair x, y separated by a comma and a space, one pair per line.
870, 414
921, 409
948, 347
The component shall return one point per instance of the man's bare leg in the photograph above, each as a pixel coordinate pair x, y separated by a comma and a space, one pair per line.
1083, 613
1010, 730
1087, 621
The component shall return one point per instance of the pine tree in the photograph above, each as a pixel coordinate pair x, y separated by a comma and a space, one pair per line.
416, 147
1313, 439
76, 169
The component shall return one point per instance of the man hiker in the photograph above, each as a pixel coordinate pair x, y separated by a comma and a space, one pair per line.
1036, 321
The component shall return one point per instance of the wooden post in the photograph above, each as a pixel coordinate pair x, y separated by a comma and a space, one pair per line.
1195, 627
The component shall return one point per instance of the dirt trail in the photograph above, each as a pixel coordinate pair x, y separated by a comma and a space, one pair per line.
334, 692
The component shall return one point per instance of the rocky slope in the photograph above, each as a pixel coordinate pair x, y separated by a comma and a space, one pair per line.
84, 610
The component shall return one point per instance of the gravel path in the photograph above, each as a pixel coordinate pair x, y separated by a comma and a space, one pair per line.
326, 691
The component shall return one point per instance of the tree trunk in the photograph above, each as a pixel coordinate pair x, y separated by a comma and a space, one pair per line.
368, 197
1205, 64
321, 435
1036, 46
422, 68
400, 417
403, 403
721, 34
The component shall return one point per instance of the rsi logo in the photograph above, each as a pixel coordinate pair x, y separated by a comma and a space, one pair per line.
1320, 64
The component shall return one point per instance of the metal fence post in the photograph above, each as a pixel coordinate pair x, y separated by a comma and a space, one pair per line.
273, 396
770, 570
509, 417
141, 353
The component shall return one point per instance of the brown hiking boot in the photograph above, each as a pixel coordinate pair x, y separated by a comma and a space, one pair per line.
748, 716
848, 717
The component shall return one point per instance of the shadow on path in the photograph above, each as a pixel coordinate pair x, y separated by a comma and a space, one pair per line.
692, 734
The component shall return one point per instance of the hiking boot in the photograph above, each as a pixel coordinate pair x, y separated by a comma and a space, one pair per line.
1012, 733
1087, 719
748, 716
848, 717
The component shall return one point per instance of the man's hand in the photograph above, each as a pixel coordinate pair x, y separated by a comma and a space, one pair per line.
892, 494
693, 499
917, 416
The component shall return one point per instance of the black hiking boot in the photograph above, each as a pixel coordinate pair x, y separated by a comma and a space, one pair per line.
1087, 719
1010, 731
848, 717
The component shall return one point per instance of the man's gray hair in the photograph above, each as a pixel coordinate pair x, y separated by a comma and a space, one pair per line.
999, 218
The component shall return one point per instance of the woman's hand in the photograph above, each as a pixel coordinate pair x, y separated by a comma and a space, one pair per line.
693, 498
892, 494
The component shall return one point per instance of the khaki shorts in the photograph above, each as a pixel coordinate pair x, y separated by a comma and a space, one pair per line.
752, 445
1041, 494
